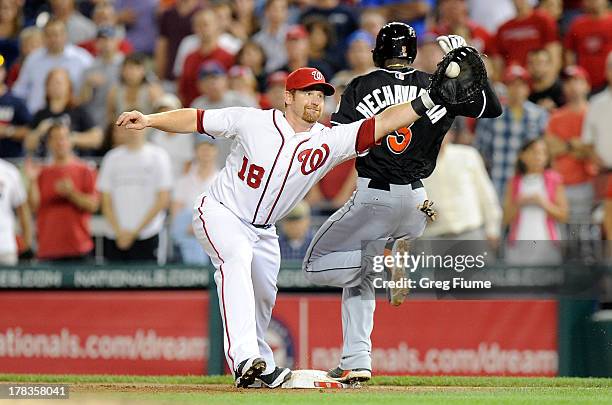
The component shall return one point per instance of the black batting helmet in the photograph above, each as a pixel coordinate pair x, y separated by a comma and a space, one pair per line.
395, 40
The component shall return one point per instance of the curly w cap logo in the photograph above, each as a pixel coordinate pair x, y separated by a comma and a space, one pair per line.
316, 75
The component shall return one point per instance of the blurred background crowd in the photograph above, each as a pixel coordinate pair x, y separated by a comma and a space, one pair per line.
74, 187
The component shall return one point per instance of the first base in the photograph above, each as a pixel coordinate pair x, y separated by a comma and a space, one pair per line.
312, 379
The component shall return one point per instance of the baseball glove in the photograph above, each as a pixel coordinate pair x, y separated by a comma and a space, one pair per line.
466, 86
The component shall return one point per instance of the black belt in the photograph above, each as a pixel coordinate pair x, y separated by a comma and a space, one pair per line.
386, 186
264, 226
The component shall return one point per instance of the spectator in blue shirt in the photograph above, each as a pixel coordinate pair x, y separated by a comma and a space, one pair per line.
295, 234
499, 139
14, 119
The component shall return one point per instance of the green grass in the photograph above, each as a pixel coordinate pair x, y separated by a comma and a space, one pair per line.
544, 396
386, 390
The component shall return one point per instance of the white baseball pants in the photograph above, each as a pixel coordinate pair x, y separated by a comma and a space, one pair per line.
247, 261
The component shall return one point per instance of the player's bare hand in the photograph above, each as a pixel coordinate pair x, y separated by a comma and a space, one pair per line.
133, 120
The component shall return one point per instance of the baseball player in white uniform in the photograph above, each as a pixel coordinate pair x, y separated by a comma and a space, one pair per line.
276, 157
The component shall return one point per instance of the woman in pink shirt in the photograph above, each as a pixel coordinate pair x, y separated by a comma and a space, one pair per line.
535, 204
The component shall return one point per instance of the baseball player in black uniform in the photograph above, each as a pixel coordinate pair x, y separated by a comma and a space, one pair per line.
390, 201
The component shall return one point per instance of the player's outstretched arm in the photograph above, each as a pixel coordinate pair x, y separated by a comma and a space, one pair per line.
399, 116
183, 120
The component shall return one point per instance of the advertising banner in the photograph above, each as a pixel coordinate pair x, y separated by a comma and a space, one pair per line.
104, 332
517, 338
166, 332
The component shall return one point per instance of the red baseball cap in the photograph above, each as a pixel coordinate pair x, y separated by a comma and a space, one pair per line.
514, 72
239, 71
296, 32
307, 77
575, 72
278, 77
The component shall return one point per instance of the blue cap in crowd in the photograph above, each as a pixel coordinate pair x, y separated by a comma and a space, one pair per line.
107, 31
360, 35
211, 68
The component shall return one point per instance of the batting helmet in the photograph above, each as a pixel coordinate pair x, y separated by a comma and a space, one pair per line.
395, 40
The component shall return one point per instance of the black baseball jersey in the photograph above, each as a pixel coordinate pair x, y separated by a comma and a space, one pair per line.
408, 154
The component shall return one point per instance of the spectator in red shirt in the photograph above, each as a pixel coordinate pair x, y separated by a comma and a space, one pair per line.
589, 40
104, 15
530, 29
63, 194
209, 50
563, 137
454, 19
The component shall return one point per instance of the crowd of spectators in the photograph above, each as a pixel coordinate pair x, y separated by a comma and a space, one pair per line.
69, 67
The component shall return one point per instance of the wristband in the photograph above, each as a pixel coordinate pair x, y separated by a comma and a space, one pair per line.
420, 104
427, 100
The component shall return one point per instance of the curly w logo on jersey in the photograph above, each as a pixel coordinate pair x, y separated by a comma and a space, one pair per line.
313, 159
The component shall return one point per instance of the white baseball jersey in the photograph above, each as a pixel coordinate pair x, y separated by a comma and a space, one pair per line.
12, 195
270, 167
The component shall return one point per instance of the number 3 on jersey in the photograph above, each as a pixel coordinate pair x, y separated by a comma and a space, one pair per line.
253, 178
398, 141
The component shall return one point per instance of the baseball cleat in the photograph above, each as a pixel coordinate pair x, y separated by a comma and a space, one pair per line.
397, 295
248, 370
350, 376
275, 379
